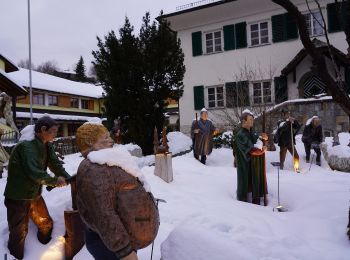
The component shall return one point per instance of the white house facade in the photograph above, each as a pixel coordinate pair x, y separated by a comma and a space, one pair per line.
248, 53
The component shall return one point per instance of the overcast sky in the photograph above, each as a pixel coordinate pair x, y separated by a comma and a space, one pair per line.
62, 30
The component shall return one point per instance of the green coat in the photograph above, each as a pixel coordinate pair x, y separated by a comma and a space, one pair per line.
27, 169
250, 172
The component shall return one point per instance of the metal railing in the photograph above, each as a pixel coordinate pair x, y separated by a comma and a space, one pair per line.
9, 137
194, 4
65, 145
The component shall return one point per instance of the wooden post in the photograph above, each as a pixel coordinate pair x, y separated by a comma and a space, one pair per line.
155, 140
163, 166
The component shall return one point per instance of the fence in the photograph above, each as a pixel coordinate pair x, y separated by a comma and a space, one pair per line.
9, 137
194, 4
65, 145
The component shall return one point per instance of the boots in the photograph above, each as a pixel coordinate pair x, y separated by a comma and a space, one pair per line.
74, 234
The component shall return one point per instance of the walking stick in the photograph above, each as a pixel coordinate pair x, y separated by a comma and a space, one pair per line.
292, 136
157, 200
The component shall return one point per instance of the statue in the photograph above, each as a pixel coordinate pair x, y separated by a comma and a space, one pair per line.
6, 111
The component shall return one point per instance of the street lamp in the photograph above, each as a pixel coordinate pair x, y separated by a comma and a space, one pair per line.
30, 67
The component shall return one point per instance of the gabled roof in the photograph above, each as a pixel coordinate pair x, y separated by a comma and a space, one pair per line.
55, 84
340, 57
197, 7
10, 87
9, 65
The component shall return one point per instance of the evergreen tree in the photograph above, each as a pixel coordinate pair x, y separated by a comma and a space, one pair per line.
80, 71
136, 79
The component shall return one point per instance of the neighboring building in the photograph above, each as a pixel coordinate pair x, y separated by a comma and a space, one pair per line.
247, 53
70, 103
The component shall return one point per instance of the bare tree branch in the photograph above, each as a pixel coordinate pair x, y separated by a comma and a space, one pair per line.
319, 63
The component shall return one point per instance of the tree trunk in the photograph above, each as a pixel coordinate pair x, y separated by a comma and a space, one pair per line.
319, 63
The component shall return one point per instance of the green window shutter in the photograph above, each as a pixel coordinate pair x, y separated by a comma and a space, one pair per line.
291, 29
231, 95
229, 37
241, 35
197, 43
336, 23
281, 89
283, 28
243, 94
278, 28
347, 80
198, 93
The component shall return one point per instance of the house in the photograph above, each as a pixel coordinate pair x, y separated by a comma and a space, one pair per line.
247, 53
70, 103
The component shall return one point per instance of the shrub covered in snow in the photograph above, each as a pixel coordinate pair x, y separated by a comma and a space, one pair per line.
338, 157
223, 140
178, 142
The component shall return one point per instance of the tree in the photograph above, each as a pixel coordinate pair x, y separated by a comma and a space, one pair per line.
137, 80
334, 86
48, 67
25, 64
80, 71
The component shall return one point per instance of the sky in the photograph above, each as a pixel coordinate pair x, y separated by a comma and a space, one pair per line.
64, 30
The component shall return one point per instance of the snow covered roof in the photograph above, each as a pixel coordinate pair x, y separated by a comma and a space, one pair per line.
9, 65
58, 116
51, 83
11, 87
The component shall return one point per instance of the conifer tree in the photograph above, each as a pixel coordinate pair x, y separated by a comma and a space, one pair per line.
136, 80
80, 71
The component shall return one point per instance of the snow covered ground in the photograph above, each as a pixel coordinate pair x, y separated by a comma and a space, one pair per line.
203, 220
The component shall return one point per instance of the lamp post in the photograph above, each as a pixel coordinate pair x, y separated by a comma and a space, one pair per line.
30, 67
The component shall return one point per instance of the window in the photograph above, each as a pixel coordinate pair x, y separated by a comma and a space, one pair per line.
74, 102
314, 23
213, 42
52, 100
262, 93
38, 99
215, 96
259, 33
84, 104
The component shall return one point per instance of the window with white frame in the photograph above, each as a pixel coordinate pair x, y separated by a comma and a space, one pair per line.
215, 96
259, 33
38, 99
314, 23
213, 42
262, 93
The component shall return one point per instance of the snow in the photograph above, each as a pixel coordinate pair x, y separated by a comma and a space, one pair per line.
342, 150
60, 117
27, 133
203, 220
308, 122
55, 84
248, 111
178, 142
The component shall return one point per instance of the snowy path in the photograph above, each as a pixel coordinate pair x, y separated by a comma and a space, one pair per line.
205, 221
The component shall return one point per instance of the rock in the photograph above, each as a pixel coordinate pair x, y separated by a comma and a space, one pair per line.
335, 162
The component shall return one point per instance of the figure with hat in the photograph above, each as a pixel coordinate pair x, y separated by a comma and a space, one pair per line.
113, 198
285, 137
250, 158
202, 132
27, 173
312, 137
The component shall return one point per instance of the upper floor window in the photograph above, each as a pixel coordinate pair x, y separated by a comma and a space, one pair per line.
74, 102
314, 23
52, 100
259, 33
215, 96
262, 93
213, 42
38, 99
85, 104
